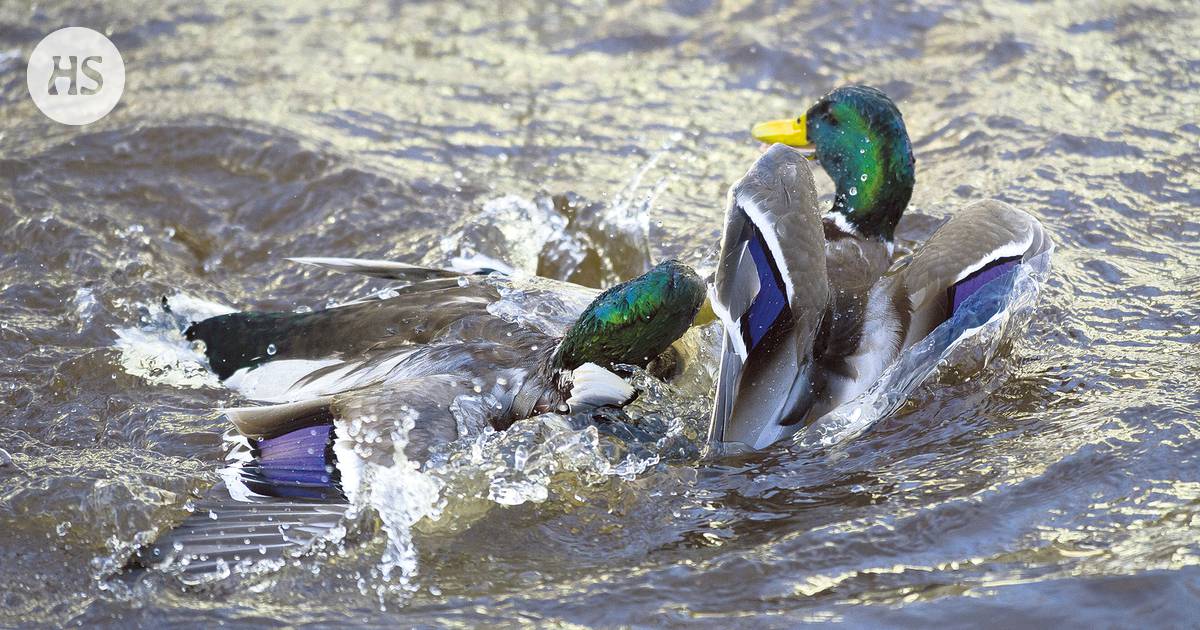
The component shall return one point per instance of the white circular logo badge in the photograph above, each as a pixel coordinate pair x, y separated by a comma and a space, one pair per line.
76, 76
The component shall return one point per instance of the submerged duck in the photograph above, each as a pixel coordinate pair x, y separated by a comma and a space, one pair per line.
813, 304
443, 336
449, 354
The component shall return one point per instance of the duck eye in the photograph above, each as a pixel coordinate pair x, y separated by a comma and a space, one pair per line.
831, 118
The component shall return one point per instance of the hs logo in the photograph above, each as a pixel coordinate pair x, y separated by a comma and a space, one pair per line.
70, 72
75, 76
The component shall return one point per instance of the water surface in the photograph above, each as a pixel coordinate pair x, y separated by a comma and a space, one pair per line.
1060, 485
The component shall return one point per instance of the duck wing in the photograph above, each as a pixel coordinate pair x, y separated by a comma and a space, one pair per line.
434, 326
414, 314
279, 496
297, 466
222, 534
292, 380
771, 292
982, 242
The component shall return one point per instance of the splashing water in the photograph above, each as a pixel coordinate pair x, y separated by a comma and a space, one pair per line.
157, 352
508, 235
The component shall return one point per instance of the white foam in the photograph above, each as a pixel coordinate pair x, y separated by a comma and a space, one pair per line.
524, 225
158, 352
397, 490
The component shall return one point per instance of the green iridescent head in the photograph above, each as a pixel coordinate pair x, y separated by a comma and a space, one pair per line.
635, 321
860, 141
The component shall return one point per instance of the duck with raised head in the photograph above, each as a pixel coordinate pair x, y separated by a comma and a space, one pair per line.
449, 354
813, 305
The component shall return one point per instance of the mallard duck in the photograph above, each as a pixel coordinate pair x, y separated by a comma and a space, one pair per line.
813, 305
448, 354
446, 331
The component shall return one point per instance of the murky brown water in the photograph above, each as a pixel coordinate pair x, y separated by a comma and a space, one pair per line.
1059, 486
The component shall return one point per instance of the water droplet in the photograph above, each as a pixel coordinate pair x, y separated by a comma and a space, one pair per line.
271, 350
462, 281
178, 546
862, 178
853, 191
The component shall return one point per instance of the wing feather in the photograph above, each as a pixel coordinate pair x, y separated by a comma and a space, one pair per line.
978, 236
773, 245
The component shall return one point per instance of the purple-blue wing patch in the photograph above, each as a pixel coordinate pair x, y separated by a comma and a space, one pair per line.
771, 301
299, 464
968, 286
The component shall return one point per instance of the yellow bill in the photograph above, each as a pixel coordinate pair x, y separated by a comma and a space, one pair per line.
791, 132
